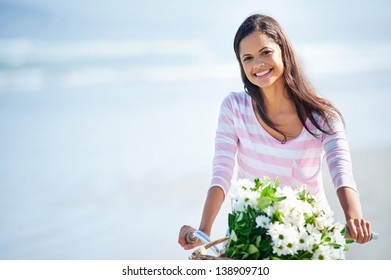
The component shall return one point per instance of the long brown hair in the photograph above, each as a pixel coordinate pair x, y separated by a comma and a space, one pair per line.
306, 101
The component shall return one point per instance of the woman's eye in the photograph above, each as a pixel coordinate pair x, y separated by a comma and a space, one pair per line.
247, 58
266, 52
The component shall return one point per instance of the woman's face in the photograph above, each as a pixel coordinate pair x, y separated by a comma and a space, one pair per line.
261, 60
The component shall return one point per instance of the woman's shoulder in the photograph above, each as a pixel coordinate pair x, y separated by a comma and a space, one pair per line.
333, 124
237, 98
237, 95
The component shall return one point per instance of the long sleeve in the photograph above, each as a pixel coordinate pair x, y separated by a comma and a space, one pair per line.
225, 147
338, 157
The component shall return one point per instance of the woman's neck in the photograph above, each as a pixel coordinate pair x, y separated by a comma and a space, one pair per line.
277, 101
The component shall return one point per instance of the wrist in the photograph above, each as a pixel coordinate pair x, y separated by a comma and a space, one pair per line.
205, 230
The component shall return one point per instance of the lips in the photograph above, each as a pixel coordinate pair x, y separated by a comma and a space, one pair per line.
262, 73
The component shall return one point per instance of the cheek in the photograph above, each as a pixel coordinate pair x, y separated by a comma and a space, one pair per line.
247, 71
282, 67
278, 61
279, 66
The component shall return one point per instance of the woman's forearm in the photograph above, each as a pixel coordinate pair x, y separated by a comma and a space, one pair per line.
350, 203
213, 202
358, 228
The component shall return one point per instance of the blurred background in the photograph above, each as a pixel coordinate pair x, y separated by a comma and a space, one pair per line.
108, 111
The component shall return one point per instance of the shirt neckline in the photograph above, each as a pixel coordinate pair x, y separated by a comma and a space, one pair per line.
253, 114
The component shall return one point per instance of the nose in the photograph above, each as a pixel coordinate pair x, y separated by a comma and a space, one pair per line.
258, 63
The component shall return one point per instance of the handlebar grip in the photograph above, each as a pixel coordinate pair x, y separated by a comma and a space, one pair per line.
375, 235
190, 238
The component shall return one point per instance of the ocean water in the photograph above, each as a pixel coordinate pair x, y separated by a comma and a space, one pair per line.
106, 144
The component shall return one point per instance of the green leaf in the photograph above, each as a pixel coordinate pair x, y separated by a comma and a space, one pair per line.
252, 249
231, 220
266, 181
349, 240
264, 202
244, 231
309, 219
265, 245
335, 245
233, 236
306, 255
230, 252
257, 183
276, 183
278, 215
278, 198
266, 191
258, 241
327, 239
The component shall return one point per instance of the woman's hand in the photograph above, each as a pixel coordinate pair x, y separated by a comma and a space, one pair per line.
359, 229
182, 238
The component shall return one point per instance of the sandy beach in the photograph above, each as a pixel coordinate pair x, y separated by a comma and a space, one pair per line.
80, 183
371, 169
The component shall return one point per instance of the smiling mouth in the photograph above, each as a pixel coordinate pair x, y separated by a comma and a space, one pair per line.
262, 73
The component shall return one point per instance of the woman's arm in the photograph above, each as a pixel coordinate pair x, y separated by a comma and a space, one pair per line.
223, 164
359, 229
212, 206
339, 162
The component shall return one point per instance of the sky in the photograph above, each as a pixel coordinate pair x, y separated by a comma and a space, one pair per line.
214, 20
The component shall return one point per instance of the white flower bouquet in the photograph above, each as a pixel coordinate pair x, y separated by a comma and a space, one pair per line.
273, 222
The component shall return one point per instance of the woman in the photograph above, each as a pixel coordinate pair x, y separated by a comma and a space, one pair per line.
278, 127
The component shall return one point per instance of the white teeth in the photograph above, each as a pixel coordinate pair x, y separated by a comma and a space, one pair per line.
262, 73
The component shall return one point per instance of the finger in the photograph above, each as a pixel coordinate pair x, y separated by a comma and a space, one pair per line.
351, 229
182, 241
182, 235
360, 230
364, 228
189, 246
369, 231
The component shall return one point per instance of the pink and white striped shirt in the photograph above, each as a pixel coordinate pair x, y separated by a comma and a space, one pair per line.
299, 161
